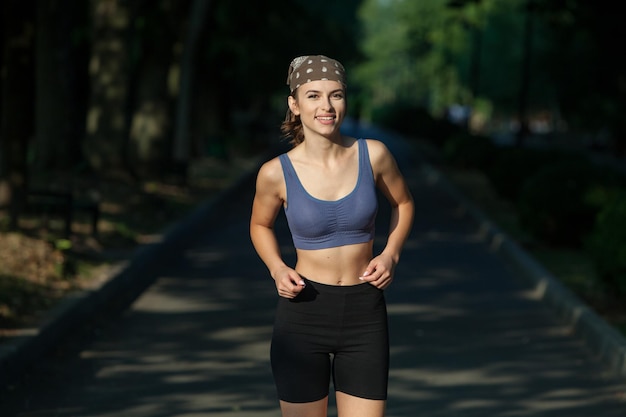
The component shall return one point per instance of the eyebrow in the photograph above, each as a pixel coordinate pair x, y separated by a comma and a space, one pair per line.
318, 91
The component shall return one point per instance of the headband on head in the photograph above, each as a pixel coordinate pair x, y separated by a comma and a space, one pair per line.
305, 69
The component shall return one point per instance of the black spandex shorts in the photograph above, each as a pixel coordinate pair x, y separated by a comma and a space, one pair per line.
331, 330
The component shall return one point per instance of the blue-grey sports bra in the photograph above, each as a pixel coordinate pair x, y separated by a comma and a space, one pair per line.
320, 224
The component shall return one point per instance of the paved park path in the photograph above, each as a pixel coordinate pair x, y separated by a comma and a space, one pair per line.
468, 338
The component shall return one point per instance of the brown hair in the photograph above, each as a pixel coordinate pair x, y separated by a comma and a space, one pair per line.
291, 127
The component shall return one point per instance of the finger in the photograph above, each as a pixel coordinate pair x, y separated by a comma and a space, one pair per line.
380, 284
288, 293
297, 291
373, 275
367, 274
299, 283
290, 287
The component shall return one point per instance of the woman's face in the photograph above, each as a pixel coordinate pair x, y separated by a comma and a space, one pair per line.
321, 106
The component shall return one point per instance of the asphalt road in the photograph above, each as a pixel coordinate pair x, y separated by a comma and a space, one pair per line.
468, 337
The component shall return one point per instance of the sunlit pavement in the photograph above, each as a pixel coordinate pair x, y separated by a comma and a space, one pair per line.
468, 338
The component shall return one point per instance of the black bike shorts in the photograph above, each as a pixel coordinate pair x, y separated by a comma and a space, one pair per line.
331, 330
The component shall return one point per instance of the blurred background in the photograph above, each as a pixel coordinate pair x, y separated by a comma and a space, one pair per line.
141, 87
117, 115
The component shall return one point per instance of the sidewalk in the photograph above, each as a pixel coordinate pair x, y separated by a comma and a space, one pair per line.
470, 336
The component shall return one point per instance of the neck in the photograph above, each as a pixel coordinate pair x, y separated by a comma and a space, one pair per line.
326, 148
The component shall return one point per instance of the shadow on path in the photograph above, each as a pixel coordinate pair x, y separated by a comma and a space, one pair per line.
468, 339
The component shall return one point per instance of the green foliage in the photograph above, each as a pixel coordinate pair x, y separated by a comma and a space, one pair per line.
426, 52
584, 64
388, 69
607, 244
515, 165
559, 203
436, 53
413, 121
4, 223
470, 151
398, 44
63, 244
126, 231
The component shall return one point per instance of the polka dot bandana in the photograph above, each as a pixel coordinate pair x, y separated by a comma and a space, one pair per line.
305, 69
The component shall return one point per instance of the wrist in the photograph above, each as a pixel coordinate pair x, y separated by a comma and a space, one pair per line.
275, 270
395, 256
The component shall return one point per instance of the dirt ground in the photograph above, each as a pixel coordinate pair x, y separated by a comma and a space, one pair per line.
39, 265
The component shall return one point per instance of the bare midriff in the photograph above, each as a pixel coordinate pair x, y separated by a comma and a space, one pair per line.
342, 265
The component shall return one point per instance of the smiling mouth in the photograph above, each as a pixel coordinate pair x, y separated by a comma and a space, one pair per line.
326, 118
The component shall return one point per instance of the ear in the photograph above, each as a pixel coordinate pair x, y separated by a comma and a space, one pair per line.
293, 105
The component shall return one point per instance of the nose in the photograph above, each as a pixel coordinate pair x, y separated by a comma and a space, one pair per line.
327, 104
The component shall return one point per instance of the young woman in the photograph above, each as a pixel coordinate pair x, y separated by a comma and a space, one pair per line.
331, 318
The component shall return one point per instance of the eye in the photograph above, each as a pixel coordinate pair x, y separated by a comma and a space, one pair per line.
312, 96
338, 96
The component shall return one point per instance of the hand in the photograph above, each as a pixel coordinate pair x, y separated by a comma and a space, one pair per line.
288, 283
379, 272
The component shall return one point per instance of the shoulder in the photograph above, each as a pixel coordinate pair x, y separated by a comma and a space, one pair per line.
271, 172
382, 160
377, 150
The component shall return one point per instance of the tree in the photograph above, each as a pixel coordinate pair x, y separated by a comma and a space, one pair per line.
557, 57
154, 38
587, 65
16, 127
244, 51
412, 50
107, 116
198, 14
60, 84
127, 88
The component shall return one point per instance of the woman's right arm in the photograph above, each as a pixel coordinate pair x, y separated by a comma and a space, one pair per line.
268, 200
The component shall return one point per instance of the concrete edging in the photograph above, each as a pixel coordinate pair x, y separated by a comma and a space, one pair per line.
126, 279
601, 338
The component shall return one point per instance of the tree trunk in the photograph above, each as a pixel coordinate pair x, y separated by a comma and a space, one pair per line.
61, 91
182, 142
16, 127
108, 69
150, 141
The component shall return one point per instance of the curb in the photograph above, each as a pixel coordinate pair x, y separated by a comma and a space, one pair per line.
601, 338
126, 281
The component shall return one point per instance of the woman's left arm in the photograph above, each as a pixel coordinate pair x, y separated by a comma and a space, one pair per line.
392, 184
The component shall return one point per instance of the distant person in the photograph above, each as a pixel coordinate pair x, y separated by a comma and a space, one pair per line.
331, 318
